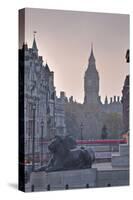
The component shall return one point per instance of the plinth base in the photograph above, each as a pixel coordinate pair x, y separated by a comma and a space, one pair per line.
41, 181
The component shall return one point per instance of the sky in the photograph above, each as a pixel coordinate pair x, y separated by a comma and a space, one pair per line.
64, 40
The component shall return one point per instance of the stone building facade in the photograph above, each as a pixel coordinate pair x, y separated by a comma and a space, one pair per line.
43, 110
60, 114
125, 98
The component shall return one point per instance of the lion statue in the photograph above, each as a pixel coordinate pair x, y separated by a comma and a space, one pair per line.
65, 155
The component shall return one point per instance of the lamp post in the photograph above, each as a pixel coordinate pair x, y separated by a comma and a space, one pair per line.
29, 134
33, 137
42, 125
81, 128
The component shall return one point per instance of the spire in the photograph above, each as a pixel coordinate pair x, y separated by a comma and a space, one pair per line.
47, 67
92, 58
99, 99
114, 98
106, 100
34, 46
118, 99
92, 47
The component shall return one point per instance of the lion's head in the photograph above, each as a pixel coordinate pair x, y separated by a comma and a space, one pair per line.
61, 144
55, 144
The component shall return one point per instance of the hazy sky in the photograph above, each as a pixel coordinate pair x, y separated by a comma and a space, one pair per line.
64, 40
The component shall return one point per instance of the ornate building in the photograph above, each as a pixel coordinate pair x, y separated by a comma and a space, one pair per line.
91, 89
60, 114
125, 101
125, 98
93, 114
43, 110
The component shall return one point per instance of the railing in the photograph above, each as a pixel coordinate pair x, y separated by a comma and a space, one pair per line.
107, 141
111, 141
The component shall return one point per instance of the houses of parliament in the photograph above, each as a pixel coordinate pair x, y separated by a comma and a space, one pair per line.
93, 114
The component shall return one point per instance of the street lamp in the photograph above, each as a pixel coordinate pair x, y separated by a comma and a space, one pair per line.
33, 139
81, 128
42, 125
29, 135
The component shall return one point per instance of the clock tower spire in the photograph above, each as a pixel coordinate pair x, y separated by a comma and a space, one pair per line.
91, 81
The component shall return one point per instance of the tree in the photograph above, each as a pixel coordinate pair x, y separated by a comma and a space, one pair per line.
114, 123
104, 133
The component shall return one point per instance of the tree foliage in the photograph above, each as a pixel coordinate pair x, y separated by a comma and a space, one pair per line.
104, 133
114, 123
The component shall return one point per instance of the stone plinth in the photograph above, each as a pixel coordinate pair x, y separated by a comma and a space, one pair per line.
124, 150
121, 159
63, 179
106, 178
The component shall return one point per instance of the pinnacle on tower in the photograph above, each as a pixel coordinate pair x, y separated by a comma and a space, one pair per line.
114, 98
92, 48
118, 99
34, 46
106, 100
91, 58
47, 67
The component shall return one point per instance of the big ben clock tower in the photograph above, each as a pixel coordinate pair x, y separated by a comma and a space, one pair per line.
91, 82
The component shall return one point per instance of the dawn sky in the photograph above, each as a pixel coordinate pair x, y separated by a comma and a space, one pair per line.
64, 40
